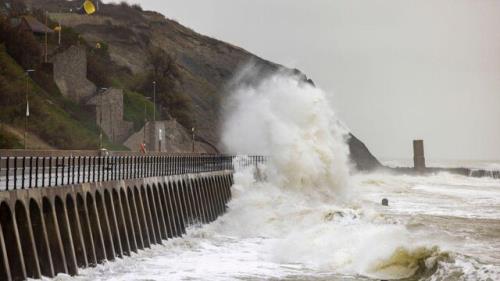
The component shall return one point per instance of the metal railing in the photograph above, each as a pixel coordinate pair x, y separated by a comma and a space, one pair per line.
36, 172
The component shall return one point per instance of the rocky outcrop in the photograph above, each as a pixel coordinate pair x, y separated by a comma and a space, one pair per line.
70, 74
206, 65
362, 159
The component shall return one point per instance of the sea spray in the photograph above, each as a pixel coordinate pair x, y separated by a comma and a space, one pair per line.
306, 209
292, 122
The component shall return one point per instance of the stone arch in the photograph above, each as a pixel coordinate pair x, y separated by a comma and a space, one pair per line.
76, 232
27, 243
113, 223
181, 203
223, 188
216, 194
65, 233
156, 190
54, 237
95, 228
11, 243
228, 185
141, 217
154, 213
172, 210
4, 260
195, 199
203, 200
122, 222
208, 199
135, 228
41, 240
88, 239
179, 207
165, 211
215, 199
147, 212
105, 228
186, 197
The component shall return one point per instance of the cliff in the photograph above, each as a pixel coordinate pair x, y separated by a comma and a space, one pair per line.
195, 69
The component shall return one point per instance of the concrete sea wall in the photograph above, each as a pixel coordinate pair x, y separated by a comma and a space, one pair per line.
46, 231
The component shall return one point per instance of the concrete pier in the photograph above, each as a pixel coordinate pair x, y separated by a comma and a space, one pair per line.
418, 155
46, 231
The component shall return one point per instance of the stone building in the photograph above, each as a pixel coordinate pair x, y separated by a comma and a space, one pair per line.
109, 114
70, 74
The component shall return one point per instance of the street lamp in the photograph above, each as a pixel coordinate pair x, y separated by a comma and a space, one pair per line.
28, 71
102, 90
154, 101
192, 130
145, 120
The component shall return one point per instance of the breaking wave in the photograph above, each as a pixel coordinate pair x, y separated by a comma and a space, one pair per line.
306, 207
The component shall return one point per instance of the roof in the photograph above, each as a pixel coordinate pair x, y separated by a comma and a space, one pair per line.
35, 25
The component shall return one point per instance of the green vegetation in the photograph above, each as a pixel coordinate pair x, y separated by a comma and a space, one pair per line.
8, 140
63, 123
71, 128
169, 97
134, 105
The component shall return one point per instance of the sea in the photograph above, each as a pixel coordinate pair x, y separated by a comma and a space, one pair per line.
436, 227
306, 214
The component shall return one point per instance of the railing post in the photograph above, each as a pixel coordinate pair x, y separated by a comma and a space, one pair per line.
134, 167
50, 171
62, 170
106, 166
68, 168
85, 171
99, 168
92, 160
119, 167
131, 167
23, 172
143, 166
155, 166
72, 169
103, 168
79, 163
88, 169
7, 172
15, 173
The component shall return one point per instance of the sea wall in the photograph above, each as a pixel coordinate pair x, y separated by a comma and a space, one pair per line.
46, 231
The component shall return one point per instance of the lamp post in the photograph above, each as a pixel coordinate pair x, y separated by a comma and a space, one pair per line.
102, 90
154, 101
145, 120
26, 117
192, 130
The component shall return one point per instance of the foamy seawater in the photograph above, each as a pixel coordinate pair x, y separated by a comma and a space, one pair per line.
303, 216
441, 227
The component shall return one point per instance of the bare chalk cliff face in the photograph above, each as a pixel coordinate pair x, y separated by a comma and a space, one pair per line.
207, 66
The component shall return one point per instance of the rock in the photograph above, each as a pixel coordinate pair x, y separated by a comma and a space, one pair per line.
385, 202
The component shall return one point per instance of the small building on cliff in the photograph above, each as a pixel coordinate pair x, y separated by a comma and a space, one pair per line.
109, 114
70, 74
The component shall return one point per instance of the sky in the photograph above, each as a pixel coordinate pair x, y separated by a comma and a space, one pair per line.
396, 70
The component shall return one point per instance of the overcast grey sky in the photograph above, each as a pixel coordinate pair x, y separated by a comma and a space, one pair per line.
396, 70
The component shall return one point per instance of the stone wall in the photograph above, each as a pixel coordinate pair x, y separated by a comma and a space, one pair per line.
70, 74
109, 114
174, 138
